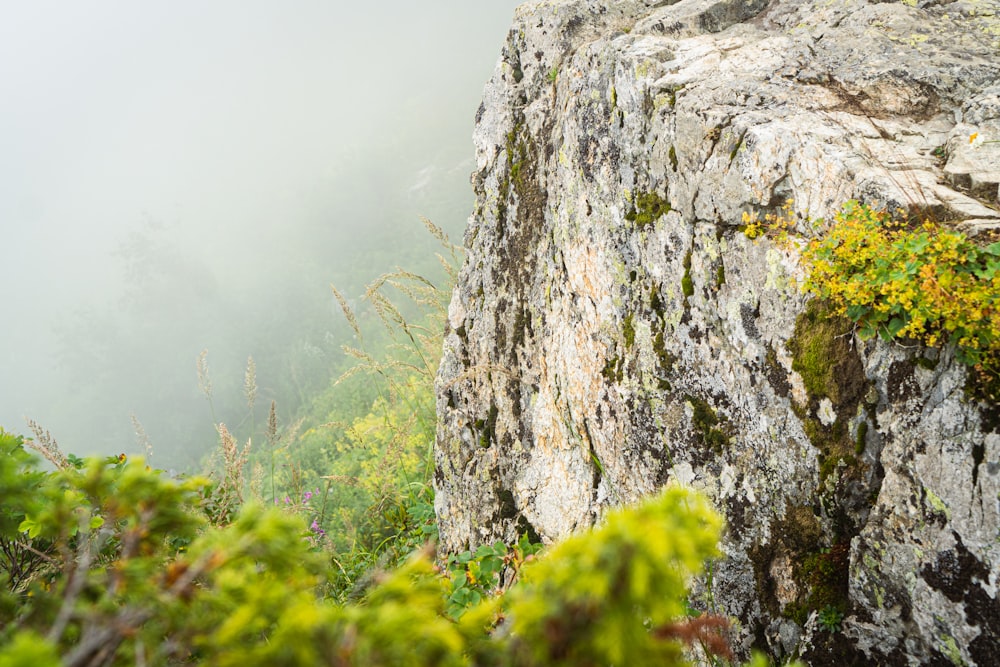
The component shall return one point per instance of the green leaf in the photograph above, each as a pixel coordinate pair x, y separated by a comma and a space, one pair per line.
867, 332
27, 648
895, 325
857, 311
31, 527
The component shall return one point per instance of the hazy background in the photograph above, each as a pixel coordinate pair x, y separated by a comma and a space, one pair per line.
184, 175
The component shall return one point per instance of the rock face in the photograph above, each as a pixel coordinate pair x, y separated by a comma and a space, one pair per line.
613, 330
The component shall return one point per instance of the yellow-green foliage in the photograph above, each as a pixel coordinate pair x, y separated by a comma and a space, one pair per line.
585, 602
132, 573
929, 284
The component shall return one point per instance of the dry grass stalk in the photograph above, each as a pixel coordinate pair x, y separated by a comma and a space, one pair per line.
141, 437
386, 310
272, 426
234, 460
346, 480
257, 482
454, 261
250, 382
348, 312
421, 285
46, 445
437, 232
204, 382
291, 433
272, 441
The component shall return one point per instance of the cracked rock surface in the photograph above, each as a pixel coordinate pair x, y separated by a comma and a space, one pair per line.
613, 330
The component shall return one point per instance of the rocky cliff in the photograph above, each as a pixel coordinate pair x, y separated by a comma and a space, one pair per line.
614, 330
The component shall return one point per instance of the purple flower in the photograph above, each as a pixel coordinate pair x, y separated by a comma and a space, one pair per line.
307, 496
288, 500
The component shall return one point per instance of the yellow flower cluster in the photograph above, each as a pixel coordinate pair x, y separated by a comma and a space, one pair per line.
927, 283
775, 226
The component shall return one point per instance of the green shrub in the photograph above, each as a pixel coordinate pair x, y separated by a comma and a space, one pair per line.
615, 595
137, 575
488, 571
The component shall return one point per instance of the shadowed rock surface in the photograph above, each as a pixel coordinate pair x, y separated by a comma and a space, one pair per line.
613, 330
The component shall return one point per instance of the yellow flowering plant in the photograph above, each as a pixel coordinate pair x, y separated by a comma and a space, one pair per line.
927, 283
777, 226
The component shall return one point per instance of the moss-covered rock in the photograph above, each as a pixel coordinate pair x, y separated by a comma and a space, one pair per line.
646, 208
824, 355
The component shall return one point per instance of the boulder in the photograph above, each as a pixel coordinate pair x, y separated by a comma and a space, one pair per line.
614, 329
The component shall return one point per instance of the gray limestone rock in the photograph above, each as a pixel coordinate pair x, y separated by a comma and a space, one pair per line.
613, 330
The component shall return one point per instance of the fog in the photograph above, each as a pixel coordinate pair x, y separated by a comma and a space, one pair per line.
180, 176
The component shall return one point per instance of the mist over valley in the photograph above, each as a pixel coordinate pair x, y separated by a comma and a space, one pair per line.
192, 176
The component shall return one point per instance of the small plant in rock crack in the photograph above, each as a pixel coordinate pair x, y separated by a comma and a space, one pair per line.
776, 226
830, 618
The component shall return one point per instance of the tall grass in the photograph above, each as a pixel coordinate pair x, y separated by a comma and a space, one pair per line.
407, 313
360, 473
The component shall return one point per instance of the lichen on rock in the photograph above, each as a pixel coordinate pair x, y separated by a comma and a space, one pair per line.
613, 331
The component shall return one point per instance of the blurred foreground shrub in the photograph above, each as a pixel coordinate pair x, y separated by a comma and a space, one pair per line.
127, 571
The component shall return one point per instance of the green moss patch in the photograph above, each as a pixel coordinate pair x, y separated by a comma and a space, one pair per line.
823, 354
832, 370
614, 370
666, 361
486, 428
687, 284
861, 438
820, 573
713, 430
823, 575
646, 208
795, 536
628, 331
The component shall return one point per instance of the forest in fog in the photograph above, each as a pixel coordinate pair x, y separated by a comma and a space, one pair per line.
191, 177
